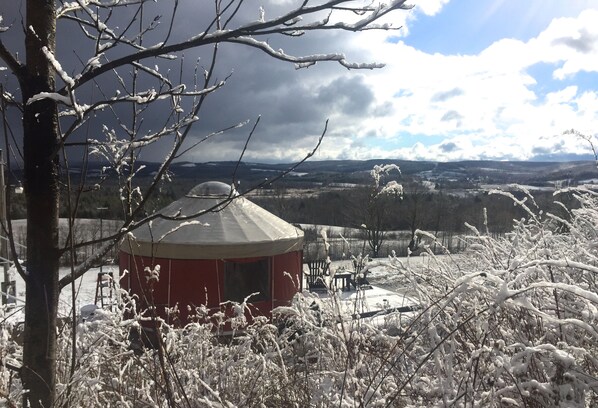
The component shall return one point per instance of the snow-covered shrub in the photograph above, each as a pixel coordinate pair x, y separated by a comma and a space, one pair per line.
514, 323
10, 352
305, 356
511, 323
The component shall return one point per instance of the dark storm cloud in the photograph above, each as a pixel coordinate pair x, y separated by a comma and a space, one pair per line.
585, 43
446, 95
289, 109
292, 110
448, 147
349, 94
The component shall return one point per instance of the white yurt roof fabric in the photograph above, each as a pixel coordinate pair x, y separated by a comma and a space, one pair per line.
232, 227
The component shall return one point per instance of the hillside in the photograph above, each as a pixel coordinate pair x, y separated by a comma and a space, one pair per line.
323, 173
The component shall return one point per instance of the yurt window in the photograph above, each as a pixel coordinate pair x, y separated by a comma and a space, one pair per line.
244, 278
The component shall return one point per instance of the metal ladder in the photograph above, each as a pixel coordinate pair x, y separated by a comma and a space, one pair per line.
105, 290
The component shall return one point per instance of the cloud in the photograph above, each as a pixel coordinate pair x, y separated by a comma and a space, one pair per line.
584, 43
446, 95
493, 104
451, 115
350, 95
568, 42
488, 104
430, 7
448, 147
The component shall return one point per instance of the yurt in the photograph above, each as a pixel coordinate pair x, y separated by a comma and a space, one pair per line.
208, 248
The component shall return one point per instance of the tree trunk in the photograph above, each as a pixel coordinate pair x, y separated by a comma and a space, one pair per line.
40, 132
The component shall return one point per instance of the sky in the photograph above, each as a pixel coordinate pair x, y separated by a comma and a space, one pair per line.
499, 80
463, 80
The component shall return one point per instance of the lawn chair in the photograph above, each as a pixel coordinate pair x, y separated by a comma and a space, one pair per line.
315, 277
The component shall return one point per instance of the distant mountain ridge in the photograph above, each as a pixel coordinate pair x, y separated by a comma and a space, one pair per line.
357, 171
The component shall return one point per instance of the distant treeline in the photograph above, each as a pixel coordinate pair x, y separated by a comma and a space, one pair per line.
432, 211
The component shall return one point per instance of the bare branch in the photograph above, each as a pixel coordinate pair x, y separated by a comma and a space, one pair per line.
124, 153
210, 136
245, 35
131, 225
15, 66
245, 148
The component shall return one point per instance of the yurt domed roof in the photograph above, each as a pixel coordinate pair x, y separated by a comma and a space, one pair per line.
212, 222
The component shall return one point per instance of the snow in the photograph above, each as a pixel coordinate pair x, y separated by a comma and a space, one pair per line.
50, 95
373, 298
58, 68
94, 62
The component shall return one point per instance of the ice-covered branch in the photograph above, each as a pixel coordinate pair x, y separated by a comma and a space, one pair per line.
306, 61
379, 170
116, 150
246, 34
561, 263
181, 225
70, 82
81, 4
106, 38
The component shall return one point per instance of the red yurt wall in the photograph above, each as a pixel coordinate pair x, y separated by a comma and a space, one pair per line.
204, 282
287, 277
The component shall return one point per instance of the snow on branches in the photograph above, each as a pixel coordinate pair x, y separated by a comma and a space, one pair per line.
391, 187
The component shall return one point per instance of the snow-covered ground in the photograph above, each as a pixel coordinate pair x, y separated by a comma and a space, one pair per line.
389, 287
381, 274
85, 289
389, 290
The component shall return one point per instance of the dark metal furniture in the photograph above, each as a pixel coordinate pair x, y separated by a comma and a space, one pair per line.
315, 277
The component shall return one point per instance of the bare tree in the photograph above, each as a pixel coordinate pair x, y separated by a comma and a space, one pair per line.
414, 198
116, 74
376, 217
376, 206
